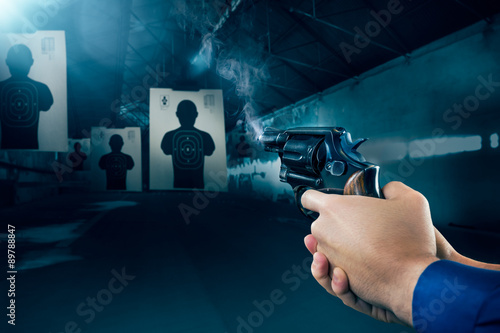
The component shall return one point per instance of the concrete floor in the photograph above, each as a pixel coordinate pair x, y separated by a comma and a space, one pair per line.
118, 262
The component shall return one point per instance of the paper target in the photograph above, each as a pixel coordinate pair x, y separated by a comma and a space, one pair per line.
19, 102
188, 150
116, 159
33, 91
117, 166
187, 140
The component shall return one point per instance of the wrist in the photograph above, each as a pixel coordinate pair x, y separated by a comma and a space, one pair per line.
402, 299
474, 263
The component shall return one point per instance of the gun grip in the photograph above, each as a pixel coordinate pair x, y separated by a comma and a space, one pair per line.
364, 182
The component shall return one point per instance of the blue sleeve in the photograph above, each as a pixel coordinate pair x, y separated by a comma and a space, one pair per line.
451, 297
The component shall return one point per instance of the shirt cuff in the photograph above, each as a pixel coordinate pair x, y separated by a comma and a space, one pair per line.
448, 296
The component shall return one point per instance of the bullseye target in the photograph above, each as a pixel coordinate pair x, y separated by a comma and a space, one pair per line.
20, 104
116, 164
188, 150
187, 146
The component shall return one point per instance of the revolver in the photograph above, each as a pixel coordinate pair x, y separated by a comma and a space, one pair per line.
322, 158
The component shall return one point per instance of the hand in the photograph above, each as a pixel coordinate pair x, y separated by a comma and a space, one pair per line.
382, 245
336, 283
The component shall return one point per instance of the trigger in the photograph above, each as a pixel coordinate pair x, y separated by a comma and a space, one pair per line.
299, 191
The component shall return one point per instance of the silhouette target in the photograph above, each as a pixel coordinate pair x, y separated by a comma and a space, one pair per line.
188, 150
19, 102
188, 147
116, 164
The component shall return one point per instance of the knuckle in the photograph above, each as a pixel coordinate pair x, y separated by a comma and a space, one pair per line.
314, 228
394, 185
419, 199
316, 274
317, 230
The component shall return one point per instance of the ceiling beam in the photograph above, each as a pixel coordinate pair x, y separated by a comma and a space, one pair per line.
291, 48
313, 67
282, 94
289, 30
473, 11
336, 27
340, 59
279, 86
342, 12
389, 31
158, 40
303, 76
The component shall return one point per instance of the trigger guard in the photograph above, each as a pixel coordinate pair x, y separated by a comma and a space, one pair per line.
301, 189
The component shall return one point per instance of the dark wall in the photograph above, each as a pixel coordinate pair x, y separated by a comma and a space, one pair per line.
410, 110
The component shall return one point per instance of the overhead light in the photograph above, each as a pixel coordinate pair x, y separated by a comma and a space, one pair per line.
8, 13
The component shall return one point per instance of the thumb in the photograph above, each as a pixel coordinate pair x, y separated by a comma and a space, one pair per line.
394, 189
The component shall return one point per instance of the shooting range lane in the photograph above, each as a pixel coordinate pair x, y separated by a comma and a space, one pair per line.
207, 276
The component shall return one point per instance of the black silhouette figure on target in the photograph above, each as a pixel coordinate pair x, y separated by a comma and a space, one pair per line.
243, 148
116, 164
77, 157
21, 100
188, 147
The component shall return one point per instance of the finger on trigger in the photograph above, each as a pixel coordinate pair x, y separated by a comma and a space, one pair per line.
312, 200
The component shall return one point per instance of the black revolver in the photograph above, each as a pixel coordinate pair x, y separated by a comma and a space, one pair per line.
324, 159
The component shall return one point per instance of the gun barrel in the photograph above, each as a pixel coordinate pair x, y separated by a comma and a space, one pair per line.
273, 139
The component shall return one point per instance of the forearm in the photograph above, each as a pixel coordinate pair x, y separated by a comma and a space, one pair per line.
457, 257
447, 252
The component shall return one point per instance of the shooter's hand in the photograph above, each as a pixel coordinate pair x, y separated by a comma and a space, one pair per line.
336, 282
382, 245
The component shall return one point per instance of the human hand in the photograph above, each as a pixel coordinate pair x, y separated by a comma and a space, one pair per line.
382, 245
336, 282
